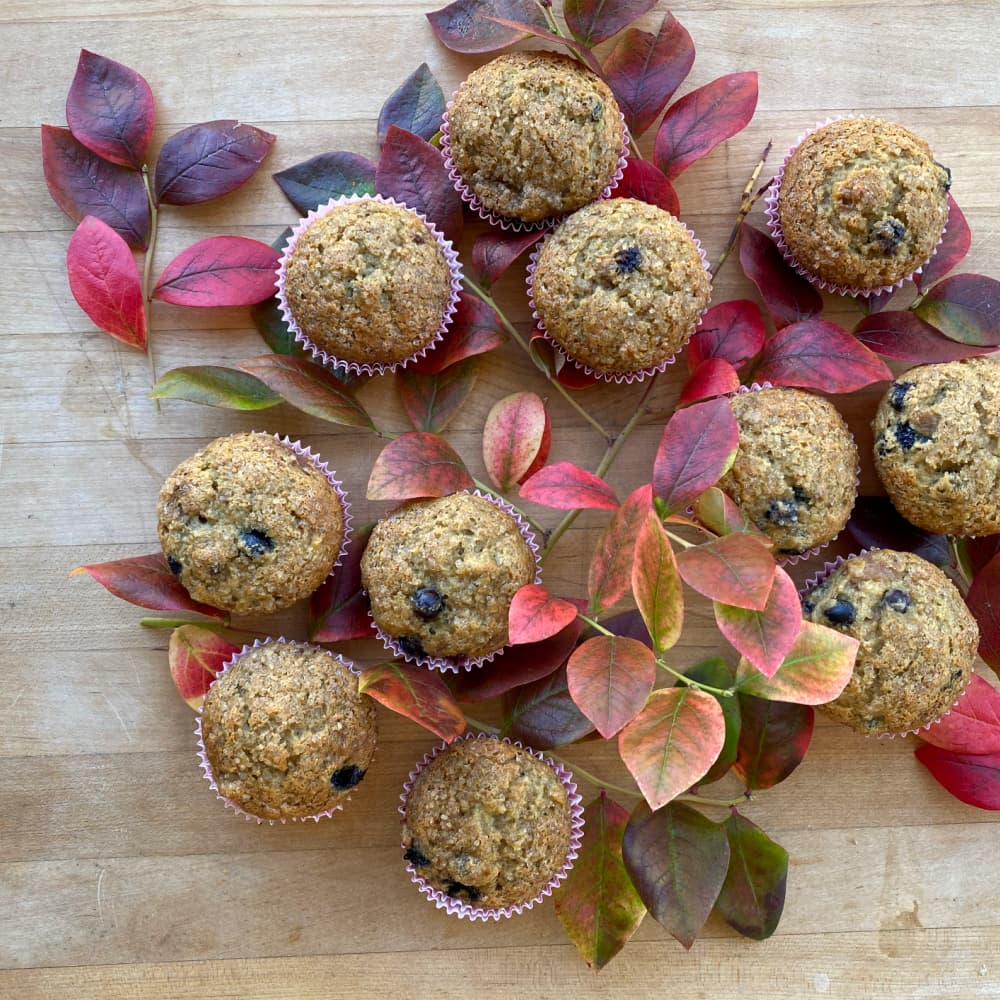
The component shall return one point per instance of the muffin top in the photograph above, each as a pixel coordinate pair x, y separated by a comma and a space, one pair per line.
795, 473
620, 285
286, 732
441, 574
535, 134
937, 446
368, 283
918, 640
487, 823
249, 526
863, 202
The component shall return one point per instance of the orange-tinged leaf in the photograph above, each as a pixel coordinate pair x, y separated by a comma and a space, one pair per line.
657, 585
418, 464
536, 615
513, 435
416, 692
719, 514
610, 574
196, 656
735, 569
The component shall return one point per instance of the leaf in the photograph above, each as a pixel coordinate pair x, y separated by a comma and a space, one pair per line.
310, 388
774, 738
753, 896
543, 715
610, 679
431, 401
696, 450
730, 331
147, 582
417, 693
734, 569
972, 778
110, 110
817, 354
417, 464
720, 515
643, 181
978, 551
815, 671
277, 335
597, 904
973, 725
583, 53
215, 386
677, 859
902, 335
673, 742
699, 121
466, 25
475, 329
788, 296
494, 252
713, 377
657, 585
950, 252
717, 673
764, 637
104, 280
595, 21
566, 486
983, 599
536, 615
196, 655
83, 184
610, 575
315, 181
876, 524
516, 428
643, 71
412, 171
208, 160
220, 271
965, 308
417, 105
338, 611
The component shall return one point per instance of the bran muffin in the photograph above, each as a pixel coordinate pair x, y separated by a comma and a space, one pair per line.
861, 204
441, 574
251, 524
918, 640
532, 135
286, 734
937, 446
620, 286
795, 473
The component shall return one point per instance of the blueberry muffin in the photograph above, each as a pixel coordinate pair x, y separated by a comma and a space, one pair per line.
795, 473
937, 446
248, 525
286, 733
918, 640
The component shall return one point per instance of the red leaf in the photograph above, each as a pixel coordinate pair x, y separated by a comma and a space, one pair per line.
417, 693
104, 280
610, 576
494, 252
417, 464
610, 679
338, 611
978, 551
416, 105
543, 715
713, 377
515, 430
951, 251
816, 354
466, 25
221, 271
787, 295
983, 599
973, 725
412, 171
83, 184
574, 377
566, 486
699, 121
208, 160
696, 450
971, 778
475, 329
902, 335
536, 615
110, 110
595, 21
147, 582
643, 70
431, 401
731, 331
735, 569
657, 585
315, 181
645, 182
196, 656
965, 308
774, 737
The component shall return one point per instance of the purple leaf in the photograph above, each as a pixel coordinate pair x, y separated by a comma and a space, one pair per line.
467, 25
787, 295
901, 335
965, 308
314, 182
594, 21
774, 738
221, 271
495, 251
543, 715
875, 524
475, 329
417, 105
951, 251
645, 182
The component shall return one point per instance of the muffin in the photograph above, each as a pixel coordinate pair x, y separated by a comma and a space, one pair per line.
488, 827
285, 733
620, 287
367, 284
795, 473
533, 135
860, 205
251, 524
937, 446
441, 574
918, 640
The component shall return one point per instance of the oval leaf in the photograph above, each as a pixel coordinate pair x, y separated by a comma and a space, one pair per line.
965, 308
594, 21
972, 778
512, 437
220, 271
315, 181
657, 585
774, 737
468, 25
876, 524
196, 656
494, 252
215, 386
900, 334
731, 331
338, 611
713, 377
973, 725
566, 486
719, 514
718, 674
983, 599
950, 252
788, 296
277, 334
416, 105
417, 464
543, 714
417, 693
735, 569
610, 576
643, 181
475, 329
431, 401
536, 615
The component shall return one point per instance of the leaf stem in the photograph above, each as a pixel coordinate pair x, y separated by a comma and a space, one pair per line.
147, 267
684, 679
747, 202
680, 541
704, 801
550, 18
483, 726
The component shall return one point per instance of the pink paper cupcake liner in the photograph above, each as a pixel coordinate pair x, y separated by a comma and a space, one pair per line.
636, 375
469, 911
455, 664
330, 360
206, 765
774, 225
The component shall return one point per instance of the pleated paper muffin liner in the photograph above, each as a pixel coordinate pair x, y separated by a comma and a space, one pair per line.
469, 911
331, 360
774, 226
455, 664
206, 765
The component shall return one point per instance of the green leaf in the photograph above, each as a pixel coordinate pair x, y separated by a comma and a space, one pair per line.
715, 672
272, 327
215, 386
965, 308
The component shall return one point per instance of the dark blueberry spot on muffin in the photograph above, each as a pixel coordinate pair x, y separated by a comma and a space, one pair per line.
897, 600
791, 550
346, 777
418, 239
947, 173
800, 495
255, 542
596, 111
174, 565
410, 645
628, 259
416, 857
872, 723
897, 395
888, 234
908, 437
427, 603
840, 613
782, 512
808, 607
454, 889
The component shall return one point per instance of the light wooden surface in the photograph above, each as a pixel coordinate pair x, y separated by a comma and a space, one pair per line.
120, 875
